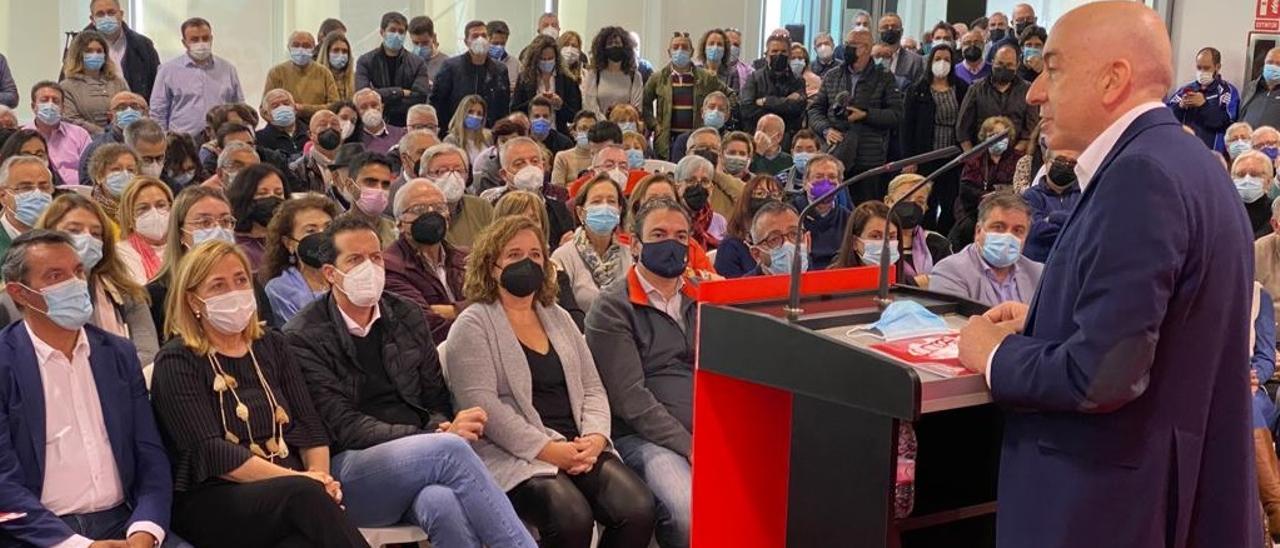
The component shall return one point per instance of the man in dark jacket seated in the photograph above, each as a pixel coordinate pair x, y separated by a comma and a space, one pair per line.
421, 266
375, 378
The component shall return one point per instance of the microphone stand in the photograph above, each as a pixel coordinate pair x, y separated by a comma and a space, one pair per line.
793, 309
882, 295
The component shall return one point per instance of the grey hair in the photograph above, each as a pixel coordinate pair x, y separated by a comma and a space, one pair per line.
443, 148
715, 95
298, 33
703, 131
769, 209
1275, 209
422, 107
410, 136
145, 130
655, 205
4, 109
1263, 129
823, 157
821, 35
595, 158
1002, 199
1254, 155
15, 265
224, 158
691, 164
356, 96
398, 205
266, 97
1245, 125
506, 158
21, 159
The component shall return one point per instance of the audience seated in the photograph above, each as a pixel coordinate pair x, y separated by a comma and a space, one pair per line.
734, 258
547, 442
446, 167
286, 131
422, 266
311, 171
774, 242
486, 172
398, 448
101, 472
771, 134
522, 163
110, 171
123, 110
144, 223
1254, 174
526, 204
290, 271
863, 242
983, 174
255, 195
611, 161
26, 190
694, 183
467, 130
593, 258
251, 457
992, 270
921, 248
568, 164
365, 184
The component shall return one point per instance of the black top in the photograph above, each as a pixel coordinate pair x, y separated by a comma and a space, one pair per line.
377, 395
550, 393
277, 139
1259, 216
187, 410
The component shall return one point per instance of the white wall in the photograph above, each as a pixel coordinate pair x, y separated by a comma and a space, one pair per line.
1221, 24
655, 20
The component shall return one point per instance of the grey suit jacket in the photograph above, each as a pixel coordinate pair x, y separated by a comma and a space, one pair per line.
910, 66
487, 369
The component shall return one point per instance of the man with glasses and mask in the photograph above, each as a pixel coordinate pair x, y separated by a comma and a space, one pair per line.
773, 240
445, 165
422, 266
124, 108
311, 171
26, 190
1001, 94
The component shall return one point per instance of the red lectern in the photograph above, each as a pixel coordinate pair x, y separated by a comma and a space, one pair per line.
796, 424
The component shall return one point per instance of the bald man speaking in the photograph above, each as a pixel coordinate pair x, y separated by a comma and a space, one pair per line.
1126, 380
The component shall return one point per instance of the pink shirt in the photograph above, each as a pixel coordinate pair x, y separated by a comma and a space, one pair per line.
66, 144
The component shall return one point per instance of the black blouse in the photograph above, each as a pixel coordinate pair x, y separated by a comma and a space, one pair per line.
550, 392
187, 410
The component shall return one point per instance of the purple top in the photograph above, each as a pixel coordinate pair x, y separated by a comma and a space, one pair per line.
963, 72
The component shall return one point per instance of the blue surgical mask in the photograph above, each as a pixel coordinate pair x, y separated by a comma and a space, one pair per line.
540, 126
49, 113
715, 53
801, 160
131, 115
215, 233
780, 259
906, 319
29, 205
736, 164
882, 62
117, 181
580, 139
284, 116
423, 50
680, 57
1000, 147
1031, 53
1001, 249
300, 56
797, 66
106, 24
1250, 188
602, 218
181, 179
735, 53
1270, 72
1238, 147
67, 303
713, 118
338, 60
547, 67
94, 61
393, 40
88, 248
635, 158
496, 51
627, 126
473, 122
872, 249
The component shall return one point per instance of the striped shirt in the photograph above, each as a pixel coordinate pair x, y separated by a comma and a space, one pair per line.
682, 113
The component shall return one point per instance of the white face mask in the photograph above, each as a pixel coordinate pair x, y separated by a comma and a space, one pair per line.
528, 178
347, 127
363, 284
201, 50
1204, 77
480, 46
452, 186
619, 176
940, 68
153, 224
230, 312
372, 118
153, 169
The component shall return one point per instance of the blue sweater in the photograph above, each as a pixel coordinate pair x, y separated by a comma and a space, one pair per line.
825, 233
1049, 211
733, 258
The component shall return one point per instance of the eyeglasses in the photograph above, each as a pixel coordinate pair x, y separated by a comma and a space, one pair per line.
205, 223
772, 241
419, 210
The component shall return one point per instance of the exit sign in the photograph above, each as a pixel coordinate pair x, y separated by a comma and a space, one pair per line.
1266, 16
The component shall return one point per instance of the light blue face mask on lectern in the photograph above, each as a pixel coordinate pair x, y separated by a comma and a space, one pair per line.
906, 319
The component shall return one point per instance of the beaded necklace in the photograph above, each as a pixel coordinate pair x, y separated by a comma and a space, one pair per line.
223, 382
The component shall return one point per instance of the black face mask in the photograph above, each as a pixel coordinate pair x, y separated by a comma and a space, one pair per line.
891, 36
429, 228
850, 53
1062, 173
264, 209
329, 139
779, 63
908, 214
972, 53
1019, 27
710, 155
755, 205
1002, 75
616, 54
998, 35
522, 279
695, 197
316, 250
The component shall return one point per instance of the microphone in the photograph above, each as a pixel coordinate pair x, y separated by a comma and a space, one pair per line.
793, 307
882, 295
839, 109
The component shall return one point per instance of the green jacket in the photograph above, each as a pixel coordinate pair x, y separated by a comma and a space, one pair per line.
659, 88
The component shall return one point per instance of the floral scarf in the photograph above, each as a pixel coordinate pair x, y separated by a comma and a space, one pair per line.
110, 205
604, 270
702, 224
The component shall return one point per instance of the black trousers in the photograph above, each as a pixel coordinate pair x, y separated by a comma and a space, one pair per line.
286, 512
941, 215
565, 508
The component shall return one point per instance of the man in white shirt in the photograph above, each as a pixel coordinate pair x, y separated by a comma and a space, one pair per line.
81, 459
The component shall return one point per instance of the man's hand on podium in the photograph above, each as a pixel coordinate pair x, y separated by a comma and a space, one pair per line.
1011, 315
980, 337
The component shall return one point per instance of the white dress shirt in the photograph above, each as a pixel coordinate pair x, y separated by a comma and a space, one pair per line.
671, 307
80, 474
9, 229
354, 327
1090, 161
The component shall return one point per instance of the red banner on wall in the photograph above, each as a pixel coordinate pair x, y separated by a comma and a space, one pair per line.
1266, 16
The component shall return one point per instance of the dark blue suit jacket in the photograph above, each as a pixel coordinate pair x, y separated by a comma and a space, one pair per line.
1128, 393
131, 428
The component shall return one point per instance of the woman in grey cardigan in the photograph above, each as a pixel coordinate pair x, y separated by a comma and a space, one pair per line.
518, 356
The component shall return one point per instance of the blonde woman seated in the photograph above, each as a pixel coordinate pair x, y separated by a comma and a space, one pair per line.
518, 356
119, 303
250, 456
593, 258
144, 227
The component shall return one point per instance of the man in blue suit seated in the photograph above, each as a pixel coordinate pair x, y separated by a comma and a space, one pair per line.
992, 269
80, 457
1126, 381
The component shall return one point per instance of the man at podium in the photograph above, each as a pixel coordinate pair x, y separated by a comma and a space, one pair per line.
1126, 381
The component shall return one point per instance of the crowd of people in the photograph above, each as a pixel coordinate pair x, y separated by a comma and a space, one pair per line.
470, 275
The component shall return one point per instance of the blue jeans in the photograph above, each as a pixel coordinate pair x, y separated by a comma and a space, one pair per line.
434, 481
669, 477
112, 524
